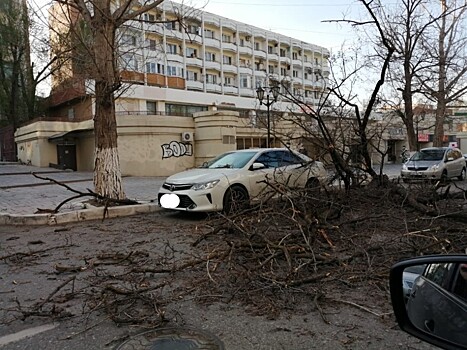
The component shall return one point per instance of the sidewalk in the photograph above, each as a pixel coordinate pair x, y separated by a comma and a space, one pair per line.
22, 194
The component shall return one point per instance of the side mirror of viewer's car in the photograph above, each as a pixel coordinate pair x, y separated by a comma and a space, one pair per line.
429, 298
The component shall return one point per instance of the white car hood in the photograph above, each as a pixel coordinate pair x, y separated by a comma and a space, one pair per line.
200, 175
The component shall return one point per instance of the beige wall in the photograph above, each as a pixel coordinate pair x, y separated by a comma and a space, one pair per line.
148, 145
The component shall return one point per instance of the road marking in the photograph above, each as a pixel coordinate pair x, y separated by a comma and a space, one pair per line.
10, 338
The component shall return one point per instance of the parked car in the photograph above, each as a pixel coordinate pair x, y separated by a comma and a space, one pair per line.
409, 276
238, 177
435, 163
436, 307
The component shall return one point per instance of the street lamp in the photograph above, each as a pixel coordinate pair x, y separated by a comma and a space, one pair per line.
260, 92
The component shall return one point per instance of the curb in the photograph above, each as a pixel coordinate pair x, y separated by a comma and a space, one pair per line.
93, 213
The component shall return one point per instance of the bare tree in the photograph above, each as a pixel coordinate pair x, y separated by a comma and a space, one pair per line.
407, 30
347, 109
444, 80
101, 20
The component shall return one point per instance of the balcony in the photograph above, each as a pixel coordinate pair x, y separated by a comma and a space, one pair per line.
173, 33
297, 63
273, 57
260, 54
194, 61
230, 90
213, 65
247, 92
285, 59
193, 38
245, 70
132, 76
246, 50
297, 80
155, 79
211, 42
227, 23
229, 46
213, 88
211, 19
174, 58
229, 68
176, 82
194, 85
260, 73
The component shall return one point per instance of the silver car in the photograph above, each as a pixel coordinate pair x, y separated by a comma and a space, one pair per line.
435, 163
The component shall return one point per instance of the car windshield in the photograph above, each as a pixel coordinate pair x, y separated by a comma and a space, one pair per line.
234, 160
429, 154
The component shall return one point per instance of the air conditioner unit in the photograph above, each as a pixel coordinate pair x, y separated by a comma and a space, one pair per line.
187, 136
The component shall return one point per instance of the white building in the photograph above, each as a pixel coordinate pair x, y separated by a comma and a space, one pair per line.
192, 95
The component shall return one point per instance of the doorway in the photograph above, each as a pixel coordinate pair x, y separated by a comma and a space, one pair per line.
66, 157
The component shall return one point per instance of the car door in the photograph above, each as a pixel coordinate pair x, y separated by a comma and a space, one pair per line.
433, 307
258, 178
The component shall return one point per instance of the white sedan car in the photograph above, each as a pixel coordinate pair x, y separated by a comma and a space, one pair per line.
239, 177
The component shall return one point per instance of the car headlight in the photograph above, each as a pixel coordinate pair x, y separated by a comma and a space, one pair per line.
434, 167
404, 166
204, 185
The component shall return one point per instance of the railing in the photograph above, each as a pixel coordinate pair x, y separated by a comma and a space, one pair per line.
152, 113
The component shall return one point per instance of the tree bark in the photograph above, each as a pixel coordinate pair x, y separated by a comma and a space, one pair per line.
107, 175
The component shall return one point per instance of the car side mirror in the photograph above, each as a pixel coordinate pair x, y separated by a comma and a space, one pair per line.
257, 166
429, 298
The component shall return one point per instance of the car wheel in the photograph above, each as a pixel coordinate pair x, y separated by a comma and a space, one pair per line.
235, 199
313, 185
461, 177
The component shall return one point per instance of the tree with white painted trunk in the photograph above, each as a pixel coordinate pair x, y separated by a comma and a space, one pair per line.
100, 20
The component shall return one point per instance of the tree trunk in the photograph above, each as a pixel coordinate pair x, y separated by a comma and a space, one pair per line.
441, 94
107, 175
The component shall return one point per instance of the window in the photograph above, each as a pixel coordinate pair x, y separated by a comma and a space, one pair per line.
283, 71
152, 44
295, 55
183, 110
151, 67
190, 52
170, 25
227, 59
282, 52
228, 81
171, 71
211, 79
271, 69
306, 75
151, 107
192, 76
210, 56
305, 58
149, 17
208, 33
439, 273
270, 49
171, 49
226, 38
244, 81
270, 159
316, 60
193, 29
257, 46
295, 73
129, 62
128, 39
242, 42
258, 66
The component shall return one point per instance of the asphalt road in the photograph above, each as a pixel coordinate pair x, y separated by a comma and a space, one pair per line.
32, 277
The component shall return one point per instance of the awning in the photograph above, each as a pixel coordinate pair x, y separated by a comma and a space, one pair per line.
67, 135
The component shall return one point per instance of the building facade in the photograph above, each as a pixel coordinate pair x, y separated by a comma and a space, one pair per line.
189, 92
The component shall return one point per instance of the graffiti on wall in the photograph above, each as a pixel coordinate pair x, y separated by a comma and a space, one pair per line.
176, 149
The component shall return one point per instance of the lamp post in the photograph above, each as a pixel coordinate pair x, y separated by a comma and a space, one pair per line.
271, 96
